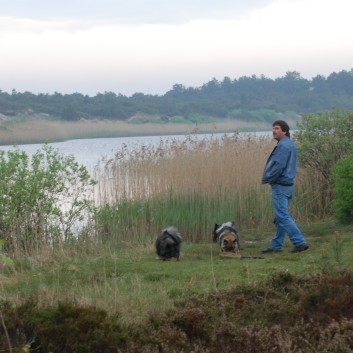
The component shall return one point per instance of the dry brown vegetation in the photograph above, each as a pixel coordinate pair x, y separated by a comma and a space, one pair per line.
209, 166
44, 130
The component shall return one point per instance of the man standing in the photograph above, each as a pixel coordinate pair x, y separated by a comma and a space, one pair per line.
280, 171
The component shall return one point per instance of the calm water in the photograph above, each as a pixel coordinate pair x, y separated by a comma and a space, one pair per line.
89, 152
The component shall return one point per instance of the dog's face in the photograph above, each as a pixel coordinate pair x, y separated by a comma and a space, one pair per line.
227, 237
229, 242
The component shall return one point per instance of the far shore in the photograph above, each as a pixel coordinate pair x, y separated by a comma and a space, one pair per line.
41, 131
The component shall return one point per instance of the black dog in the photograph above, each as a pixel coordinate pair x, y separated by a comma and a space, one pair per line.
168, 244
227, 236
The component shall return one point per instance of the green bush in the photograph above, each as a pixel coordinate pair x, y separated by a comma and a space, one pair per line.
199, 118
178, 119
343, 189
42, 199
260, 115
323, 139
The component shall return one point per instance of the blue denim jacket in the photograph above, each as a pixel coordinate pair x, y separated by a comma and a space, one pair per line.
281, 166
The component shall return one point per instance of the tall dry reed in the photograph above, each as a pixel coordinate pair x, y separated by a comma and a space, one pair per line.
193, 184
207, 166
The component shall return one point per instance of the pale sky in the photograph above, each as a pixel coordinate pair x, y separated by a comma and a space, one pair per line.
129, 46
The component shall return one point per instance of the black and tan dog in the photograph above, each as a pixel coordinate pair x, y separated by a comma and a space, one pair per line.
168, 244
227, 237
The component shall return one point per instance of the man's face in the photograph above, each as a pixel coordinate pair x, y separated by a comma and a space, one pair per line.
277, 132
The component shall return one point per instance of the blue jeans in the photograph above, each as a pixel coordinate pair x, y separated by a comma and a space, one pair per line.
284, 223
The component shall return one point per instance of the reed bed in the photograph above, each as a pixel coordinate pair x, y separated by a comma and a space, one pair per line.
193, 184
39, 130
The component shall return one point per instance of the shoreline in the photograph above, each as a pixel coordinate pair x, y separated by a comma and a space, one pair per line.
42, 131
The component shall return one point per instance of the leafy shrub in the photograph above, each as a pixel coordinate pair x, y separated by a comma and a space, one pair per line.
343, 189
42, 199
5, 261
324, 138
199, 118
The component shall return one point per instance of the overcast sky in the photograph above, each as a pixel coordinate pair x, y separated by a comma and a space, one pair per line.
129, 46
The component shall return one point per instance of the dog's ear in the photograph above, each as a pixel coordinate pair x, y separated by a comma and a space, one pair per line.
215, 235
234, 227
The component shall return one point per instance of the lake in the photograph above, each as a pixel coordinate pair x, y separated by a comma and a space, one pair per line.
89, 152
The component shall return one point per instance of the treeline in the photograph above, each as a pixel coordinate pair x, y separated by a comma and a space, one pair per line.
229, 98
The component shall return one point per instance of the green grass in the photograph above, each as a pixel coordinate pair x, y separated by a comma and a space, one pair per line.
100, 298
132, 283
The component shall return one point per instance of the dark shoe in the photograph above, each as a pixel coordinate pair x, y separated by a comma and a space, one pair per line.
268, 250
300, 248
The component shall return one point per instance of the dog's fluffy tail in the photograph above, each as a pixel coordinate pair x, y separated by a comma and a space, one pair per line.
168, 243
174, 233
230, 224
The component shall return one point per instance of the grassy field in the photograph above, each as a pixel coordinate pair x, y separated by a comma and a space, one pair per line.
137, 290
131, 282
